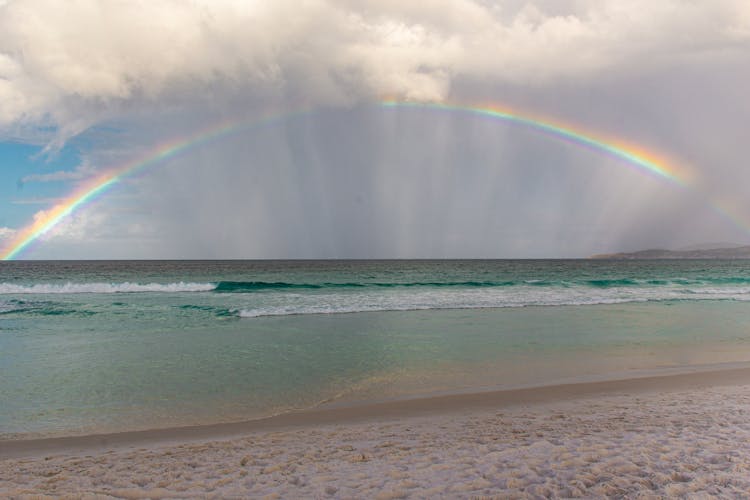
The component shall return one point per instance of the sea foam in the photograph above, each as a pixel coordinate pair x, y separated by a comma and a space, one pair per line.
59, 288
521, 296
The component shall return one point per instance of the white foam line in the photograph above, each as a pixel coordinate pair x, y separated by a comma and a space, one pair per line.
49, 288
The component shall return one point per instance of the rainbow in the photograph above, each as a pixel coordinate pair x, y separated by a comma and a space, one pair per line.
93, 188
632, 155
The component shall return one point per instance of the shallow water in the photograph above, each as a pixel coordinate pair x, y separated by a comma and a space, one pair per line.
106, 346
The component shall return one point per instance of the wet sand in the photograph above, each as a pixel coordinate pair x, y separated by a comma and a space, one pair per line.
665, 435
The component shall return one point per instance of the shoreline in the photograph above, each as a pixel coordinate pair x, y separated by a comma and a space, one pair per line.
333, 414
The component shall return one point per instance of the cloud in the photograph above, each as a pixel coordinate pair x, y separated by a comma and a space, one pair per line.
358, 181
36, 201
77, 227
82, 171
71, 65
6, 233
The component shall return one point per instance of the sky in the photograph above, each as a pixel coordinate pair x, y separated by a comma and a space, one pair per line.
312, 165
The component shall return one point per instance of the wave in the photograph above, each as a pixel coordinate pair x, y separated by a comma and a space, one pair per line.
70, 288
44, 308
252, 286
293, 301
483, 299
216, 311
605, 283
343, 309
245, 287
621, 282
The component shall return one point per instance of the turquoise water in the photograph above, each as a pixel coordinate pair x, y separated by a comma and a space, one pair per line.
107, 346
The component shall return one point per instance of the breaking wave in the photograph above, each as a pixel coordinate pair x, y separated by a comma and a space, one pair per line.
252, 286
589, 287
68, 288
522, 296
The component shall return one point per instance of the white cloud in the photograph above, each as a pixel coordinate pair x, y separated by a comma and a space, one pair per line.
82, 171
6, 233
72, 64
668, 74
77, 227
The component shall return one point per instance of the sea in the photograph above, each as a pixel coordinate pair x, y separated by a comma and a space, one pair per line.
107, 346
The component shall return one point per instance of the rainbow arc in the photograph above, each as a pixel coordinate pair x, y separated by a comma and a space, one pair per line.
634, 156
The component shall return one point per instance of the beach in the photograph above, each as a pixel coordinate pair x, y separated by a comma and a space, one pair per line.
672, 435
374, 250
374, 379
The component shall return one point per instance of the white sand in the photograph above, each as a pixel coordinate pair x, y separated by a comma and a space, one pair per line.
648, 444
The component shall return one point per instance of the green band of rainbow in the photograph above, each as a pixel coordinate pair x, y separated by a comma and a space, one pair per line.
631, 155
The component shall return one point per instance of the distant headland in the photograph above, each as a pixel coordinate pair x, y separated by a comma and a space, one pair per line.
729, 252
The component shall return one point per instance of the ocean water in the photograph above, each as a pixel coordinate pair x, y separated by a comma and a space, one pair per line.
109, 346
